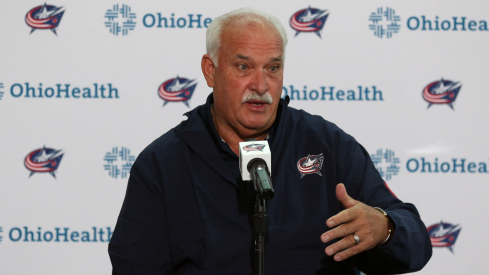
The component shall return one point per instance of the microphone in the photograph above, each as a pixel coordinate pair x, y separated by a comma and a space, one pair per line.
255, 162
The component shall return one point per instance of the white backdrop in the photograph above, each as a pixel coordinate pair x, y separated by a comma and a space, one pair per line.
87, 189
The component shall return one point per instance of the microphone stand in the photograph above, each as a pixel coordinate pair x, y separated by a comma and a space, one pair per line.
263, 186
259, 231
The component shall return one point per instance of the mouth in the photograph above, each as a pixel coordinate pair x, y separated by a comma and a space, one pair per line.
256, 103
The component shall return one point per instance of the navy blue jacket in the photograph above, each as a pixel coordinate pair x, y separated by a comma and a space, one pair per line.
185, 213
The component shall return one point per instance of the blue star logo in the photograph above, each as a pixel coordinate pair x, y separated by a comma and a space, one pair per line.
45, 17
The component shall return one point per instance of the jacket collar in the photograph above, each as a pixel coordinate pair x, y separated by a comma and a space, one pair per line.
194, 133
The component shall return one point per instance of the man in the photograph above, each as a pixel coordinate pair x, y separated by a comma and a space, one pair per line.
187, 211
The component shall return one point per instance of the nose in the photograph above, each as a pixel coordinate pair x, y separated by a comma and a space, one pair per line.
259, 82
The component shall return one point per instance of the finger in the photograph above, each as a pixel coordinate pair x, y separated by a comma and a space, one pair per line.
344, 216
346, 242
339, 232
343, 197
351, 251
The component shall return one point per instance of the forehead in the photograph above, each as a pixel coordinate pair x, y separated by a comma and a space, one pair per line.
251, 38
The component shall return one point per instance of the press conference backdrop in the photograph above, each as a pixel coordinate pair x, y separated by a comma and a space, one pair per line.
86, 85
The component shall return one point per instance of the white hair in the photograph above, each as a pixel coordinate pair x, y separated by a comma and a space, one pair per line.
244, 15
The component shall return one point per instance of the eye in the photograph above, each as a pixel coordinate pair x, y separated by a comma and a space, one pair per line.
274, 68
242, 67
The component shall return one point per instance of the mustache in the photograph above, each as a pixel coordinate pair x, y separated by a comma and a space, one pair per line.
266, 97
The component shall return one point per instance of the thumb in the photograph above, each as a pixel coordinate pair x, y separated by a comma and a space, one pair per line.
343, 197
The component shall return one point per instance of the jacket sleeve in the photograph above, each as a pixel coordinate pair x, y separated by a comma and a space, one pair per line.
140, 243
409, 249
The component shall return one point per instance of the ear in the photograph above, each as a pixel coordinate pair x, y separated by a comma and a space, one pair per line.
208, 69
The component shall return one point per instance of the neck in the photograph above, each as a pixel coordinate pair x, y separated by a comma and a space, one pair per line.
231, 135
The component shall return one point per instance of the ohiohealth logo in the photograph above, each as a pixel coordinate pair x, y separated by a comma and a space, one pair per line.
384, 22
386, 163
60, 234
120, 19
119, 162
332, 93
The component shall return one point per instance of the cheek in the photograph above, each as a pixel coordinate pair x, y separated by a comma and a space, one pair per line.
237, 88
239, 84
276, 88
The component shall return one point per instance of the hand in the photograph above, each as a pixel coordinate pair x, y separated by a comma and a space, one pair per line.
358, 218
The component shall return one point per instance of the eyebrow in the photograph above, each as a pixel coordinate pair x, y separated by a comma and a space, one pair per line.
240, 56
277, 59
244, 57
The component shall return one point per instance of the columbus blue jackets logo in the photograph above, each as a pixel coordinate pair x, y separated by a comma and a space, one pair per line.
444, 235
311, 164
309, 20
44, 160
254, 147
441, 92
177, 89
45, 17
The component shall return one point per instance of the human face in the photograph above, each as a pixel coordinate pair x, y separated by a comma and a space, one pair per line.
251, 60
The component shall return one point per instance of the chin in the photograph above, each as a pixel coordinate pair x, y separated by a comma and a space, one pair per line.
255, 125
255, 121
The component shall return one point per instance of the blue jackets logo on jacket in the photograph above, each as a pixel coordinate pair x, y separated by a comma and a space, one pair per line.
310, 164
